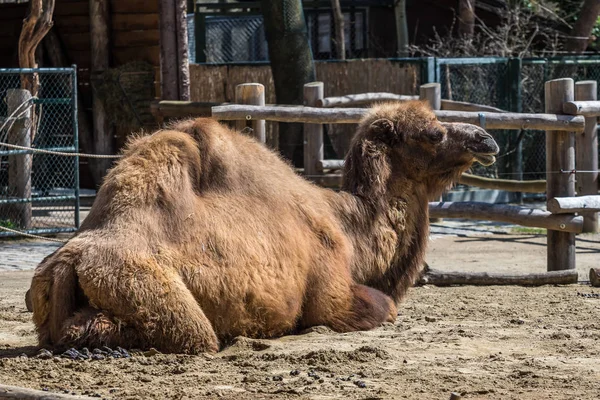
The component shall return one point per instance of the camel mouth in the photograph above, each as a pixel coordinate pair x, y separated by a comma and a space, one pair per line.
485, 159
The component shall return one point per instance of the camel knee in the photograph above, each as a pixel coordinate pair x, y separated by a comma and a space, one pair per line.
155, 303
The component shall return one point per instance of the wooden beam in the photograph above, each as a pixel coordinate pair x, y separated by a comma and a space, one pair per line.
588, 108
354, 115
560, 156
330, 164
536, 186
453, 105
362, 98
450, 278
147, 37
532, 217
16, 392
570, 205
181, 109
548, 121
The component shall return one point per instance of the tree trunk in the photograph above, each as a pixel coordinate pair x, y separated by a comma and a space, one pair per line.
466, 18
580, 35
37, 24
401, 28
291, 63
103, 132
338, 19
174, 61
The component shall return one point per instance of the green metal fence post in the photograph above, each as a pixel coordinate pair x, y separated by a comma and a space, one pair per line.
428, 70
515, 104
75, 142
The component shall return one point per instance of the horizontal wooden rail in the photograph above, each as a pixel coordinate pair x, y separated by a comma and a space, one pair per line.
362, 98
330, 164
509, 185
585, 108
510, 214
453, 105
181, 109
569, 205
313, 115
552, 122
450, 278
368, 98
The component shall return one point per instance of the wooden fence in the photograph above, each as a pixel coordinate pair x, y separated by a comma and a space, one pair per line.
569, 118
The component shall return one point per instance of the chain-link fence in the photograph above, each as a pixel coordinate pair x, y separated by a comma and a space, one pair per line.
39, 193
493, 82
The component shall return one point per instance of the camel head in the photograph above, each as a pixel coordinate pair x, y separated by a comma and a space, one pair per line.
402, 146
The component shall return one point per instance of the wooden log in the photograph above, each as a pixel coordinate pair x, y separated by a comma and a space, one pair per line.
510, 214
560, 156
453, 105
450, 278
313, 133
252, 94
361, 99
18, 102
162, 109
586, 154
330, 164
16, 392
100, 56
534, 186
570, 205
354, 115
537, 186
585, 107
507, 120
595, 277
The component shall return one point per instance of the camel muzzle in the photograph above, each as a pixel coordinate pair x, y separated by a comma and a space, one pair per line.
477, 141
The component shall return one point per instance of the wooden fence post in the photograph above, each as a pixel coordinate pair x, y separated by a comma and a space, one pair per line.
560, 156
586, 158
313, 133
19, 165
251, 94
432, 92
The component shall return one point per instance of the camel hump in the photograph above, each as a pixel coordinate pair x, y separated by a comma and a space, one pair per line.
161, 167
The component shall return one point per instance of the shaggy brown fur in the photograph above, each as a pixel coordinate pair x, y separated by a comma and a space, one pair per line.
200, 234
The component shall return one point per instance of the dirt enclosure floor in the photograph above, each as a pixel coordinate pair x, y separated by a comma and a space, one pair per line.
482, 342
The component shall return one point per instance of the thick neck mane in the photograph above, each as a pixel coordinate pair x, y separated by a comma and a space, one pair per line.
387, 220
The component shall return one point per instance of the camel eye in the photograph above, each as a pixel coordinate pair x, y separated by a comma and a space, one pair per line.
433, 134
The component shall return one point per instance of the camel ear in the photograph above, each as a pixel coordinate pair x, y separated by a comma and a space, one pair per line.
384, 130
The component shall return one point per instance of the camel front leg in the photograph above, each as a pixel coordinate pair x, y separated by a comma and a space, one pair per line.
153, 300
345, 306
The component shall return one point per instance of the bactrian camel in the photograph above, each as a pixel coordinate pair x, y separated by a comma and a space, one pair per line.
200, 234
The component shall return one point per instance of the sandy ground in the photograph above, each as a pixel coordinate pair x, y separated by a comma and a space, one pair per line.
486, 343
